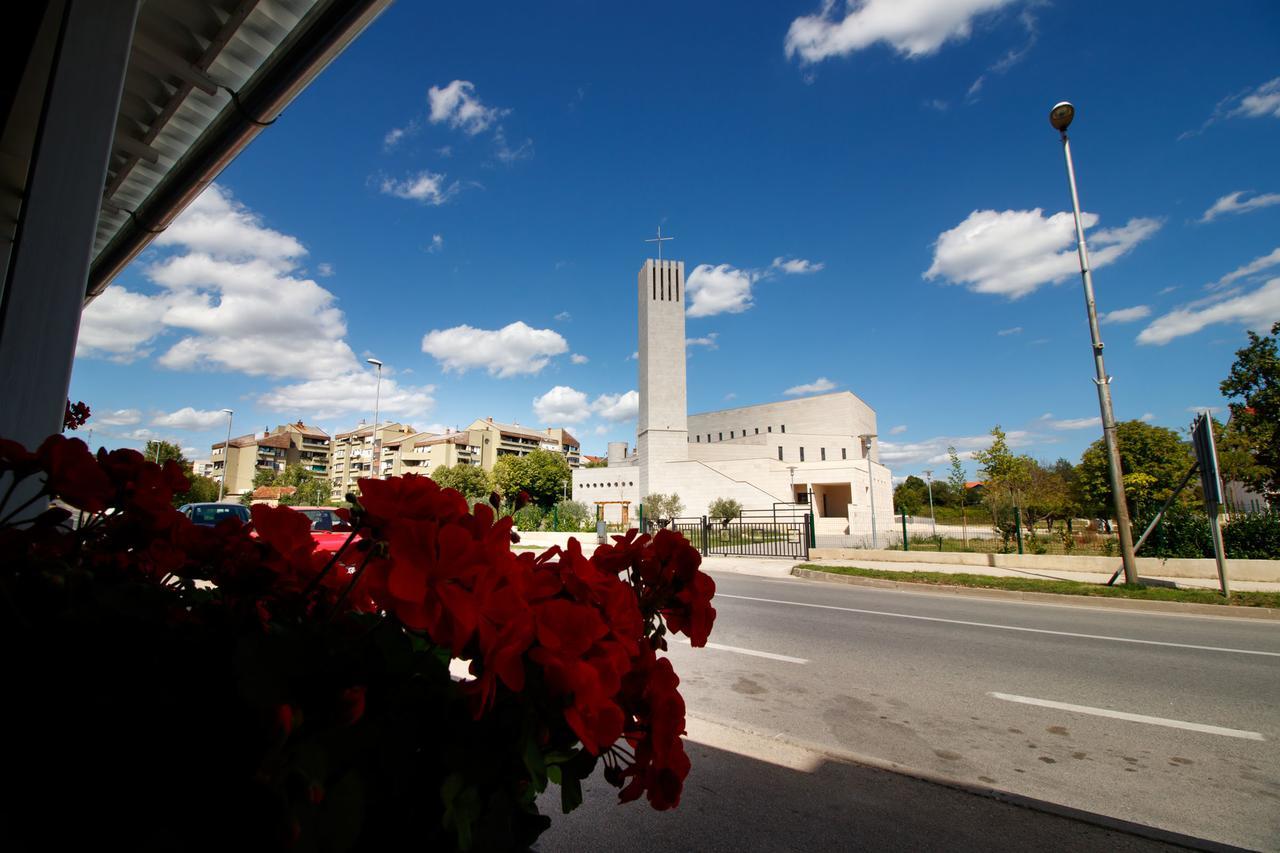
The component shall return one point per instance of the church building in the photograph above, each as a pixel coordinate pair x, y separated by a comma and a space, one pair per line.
822, 448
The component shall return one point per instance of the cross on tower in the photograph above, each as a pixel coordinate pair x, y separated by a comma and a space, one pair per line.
659, 240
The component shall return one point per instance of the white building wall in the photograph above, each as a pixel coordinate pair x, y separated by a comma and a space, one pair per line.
661, 430
838, 414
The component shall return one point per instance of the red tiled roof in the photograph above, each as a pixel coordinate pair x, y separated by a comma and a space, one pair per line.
280, 440
272, 493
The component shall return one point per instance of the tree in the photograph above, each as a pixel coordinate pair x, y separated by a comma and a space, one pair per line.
1153, 451
200, 490
1047, 495
1253, 385
911, 495
598, 463
314, 491
543, 474
957, 478
723, 509
660, 506
1007, 474
472, 481
163, 451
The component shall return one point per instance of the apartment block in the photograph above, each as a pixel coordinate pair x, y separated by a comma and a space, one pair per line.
499, 439
352, 454
291, 444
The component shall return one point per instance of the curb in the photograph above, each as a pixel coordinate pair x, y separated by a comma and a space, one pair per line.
1185, 608
1140, 830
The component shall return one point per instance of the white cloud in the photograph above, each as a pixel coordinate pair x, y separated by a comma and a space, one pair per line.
1127, 315
578, 358
1256, 310
617, 407
426, 187
635, 356
563, 317
235, 294
1076, 423
708, 341
510, 351
1004, 333
118, 323
562, 404
898, 430
1013, 252
1231, 203
721, 289
116, 417
507, 153
1010, 58
934, 450
818, 386
731, 396
351, 392
324, 270
1165, 291
1255, 266
1262, 102
602, 430
796, 266
1147, 417
216, 224
436, 244
188, 418
913, 28
457, 106
393, 137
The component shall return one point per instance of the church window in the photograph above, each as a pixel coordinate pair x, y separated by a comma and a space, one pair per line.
708, 438
779, 452
784, 427
770, 429
722, 436
802, 454
757, 430
698, 438
823, 451
730, 433
844, 453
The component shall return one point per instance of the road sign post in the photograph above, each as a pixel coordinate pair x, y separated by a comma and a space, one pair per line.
1211, 483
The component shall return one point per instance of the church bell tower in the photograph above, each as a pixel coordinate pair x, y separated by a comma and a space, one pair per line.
663, 432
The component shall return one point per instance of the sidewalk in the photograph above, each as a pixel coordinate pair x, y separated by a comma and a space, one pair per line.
750, 792
781, 568
1082, 577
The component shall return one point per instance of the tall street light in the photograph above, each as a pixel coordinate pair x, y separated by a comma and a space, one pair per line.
867, 438
1060, 117
928, 476
375, 468
226, 456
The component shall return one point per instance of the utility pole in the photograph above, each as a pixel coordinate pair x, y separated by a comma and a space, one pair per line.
928, 476
1060, 117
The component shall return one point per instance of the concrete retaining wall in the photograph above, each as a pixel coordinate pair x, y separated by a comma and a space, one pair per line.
1264, 571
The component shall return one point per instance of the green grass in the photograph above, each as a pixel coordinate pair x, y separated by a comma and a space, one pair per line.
1148, 593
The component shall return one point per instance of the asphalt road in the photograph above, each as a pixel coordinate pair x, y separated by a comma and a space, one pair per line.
1013, 696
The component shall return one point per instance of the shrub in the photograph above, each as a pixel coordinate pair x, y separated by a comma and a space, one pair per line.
1253, 536
529, 517
1183, 532
574, 515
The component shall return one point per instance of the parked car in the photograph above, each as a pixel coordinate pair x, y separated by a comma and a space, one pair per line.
327, 528
210, 514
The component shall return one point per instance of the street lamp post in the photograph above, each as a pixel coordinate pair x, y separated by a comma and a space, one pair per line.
226, 456
928, 476
1060, 117
375, 466
867, 438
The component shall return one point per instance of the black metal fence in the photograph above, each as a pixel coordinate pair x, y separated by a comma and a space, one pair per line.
786, 530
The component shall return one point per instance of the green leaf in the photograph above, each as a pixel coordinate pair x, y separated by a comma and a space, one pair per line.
570, 793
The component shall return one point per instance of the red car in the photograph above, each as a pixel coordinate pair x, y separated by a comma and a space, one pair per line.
328, 529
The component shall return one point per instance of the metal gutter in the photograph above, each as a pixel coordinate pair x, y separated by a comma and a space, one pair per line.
261, 101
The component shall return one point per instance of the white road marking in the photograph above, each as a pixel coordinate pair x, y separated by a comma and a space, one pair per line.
741, 651
1002, 627
1134, 718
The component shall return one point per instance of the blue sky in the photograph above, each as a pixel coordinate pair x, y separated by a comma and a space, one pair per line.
866, 196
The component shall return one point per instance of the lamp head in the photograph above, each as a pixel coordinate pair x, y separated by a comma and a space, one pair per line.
374, 362
1061, 115
228, 412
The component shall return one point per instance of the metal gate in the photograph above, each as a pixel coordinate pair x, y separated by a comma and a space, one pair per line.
784, 531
